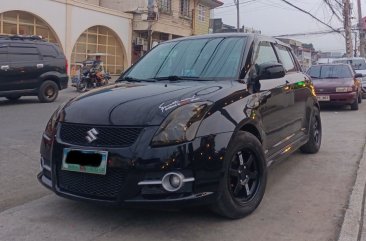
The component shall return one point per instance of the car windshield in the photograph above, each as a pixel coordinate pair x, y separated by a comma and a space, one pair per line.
357, 64
330, 72
194, 59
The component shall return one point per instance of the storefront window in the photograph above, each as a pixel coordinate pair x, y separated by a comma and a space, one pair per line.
99, 39
23, 23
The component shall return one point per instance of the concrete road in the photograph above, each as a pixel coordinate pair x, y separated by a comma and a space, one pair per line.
305, 198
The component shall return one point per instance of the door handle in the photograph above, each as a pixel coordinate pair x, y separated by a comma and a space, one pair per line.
40, 66
5, 67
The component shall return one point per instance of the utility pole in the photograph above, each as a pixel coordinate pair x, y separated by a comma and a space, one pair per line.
237, 16
355, 49
347, 27
361, 30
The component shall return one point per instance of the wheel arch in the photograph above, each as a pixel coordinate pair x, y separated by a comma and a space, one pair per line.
53, 78
252, 129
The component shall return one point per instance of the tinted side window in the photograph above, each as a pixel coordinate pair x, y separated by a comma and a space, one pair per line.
286, 58
265, 54
48, 51
19, 54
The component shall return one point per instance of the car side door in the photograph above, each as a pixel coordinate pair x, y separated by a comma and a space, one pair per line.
296, 81
25, 66
4, 68
275, 98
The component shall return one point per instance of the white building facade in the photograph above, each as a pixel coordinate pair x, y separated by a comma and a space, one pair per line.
78, 27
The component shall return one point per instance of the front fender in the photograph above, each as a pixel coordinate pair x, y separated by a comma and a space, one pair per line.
232, 114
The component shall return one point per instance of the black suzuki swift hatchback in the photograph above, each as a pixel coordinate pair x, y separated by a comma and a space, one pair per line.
195, 122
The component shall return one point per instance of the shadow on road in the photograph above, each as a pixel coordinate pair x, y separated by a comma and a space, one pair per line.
5, 102
331, 108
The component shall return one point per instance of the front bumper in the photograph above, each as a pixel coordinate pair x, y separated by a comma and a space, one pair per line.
201, 159
339, 98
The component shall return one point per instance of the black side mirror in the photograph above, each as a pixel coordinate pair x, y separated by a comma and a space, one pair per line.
358, 75
270, 71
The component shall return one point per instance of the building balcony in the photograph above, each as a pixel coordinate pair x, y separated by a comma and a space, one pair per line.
166, 23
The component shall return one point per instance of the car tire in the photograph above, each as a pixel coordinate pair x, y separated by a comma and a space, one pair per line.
315, 134
236, 199
13, 98
354, 105
48, 91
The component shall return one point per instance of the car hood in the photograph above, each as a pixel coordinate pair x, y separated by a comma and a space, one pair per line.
332, 83
137, 104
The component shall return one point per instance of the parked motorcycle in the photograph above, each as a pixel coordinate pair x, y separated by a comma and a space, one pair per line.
89, 79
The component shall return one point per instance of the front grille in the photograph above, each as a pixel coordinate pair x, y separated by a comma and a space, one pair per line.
108, 136
91, 185
325, 90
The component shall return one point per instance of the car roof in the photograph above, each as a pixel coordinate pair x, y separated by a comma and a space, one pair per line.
350, 58
330, 64
251, 36
19, 39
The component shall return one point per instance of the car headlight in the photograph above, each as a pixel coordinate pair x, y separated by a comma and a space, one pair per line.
51, 126
181, 125
344, 89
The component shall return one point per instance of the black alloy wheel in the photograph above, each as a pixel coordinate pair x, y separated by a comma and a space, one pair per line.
315, 134
243, 176
48, 91
242, 187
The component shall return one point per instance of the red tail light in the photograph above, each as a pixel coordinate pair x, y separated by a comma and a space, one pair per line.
66, 66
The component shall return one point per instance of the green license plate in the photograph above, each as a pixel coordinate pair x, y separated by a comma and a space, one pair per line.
86, 161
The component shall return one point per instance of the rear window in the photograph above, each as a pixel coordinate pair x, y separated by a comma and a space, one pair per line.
357, 64
330, 72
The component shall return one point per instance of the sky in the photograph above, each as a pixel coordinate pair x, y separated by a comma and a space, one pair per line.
274, 17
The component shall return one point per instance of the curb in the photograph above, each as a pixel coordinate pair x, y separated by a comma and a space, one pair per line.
352, 226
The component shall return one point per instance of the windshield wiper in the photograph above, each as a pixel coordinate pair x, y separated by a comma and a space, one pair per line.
131, 79
331, 77
176, 78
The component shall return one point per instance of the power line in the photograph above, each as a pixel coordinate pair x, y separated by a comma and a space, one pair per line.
309, 33
332, 9
314, 17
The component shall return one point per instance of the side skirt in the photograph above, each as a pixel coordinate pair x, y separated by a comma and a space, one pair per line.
287, 150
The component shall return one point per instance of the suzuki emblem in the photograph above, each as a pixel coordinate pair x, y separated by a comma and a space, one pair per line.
92, 135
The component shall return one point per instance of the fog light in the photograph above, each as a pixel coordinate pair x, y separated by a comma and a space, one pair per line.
172, 181
175, 181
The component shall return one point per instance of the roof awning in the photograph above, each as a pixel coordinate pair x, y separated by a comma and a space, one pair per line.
211, 3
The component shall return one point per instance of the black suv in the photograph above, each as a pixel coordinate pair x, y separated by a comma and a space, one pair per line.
195, 122
31, 66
